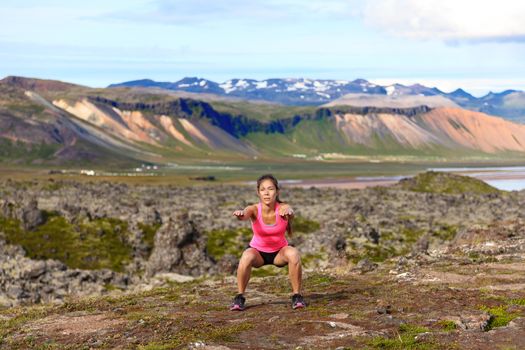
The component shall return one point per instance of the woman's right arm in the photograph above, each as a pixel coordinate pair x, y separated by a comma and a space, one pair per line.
246, 213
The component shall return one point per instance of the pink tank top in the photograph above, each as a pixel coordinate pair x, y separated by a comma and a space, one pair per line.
269, 238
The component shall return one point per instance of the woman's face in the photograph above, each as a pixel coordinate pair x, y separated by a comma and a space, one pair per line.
267, 192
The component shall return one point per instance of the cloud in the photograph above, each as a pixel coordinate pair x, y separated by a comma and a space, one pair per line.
453, 21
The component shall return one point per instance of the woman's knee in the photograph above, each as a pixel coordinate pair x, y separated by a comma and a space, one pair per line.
248, 258
293, 256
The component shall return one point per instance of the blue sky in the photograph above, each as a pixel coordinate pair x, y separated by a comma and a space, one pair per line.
477, 45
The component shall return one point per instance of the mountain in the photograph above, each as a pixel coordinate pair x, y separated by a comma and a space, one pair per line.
49, 121
461, 94
33, 130
509, 104
285, 91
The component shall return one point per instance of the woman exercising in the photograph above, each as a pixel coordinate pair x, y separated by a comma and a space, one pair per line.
270, 219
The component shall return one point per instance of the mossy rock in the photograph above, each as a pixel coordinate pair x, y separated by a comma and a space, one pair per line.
148, 234
445, 232
89, 245
440, 182
303, 225
222, 242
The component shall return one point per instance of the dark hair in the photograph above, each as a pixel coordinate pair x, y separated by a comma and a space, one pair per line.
276, 184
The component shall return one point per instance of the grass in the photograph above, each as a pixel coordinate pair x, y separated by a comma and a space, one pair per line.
517, 302
439, 182
20, 316
405, 339
26, 153
316, 137
447, 325
499, 316
260, 111
204, 333
317, 280
284, 169
155, 309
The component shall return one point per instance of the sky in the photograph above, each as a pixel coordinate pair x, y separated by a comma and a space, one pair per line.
477, 45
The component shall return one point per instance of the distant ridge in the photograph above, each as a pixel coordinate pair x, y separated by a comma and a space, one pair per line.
509, 104
36, 84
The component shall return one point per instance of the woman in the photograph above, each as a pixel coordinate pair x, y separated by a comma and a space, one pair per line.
270, 219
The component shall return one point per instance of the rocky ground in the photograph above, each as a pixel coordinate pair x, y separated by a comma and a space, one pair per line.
386, 268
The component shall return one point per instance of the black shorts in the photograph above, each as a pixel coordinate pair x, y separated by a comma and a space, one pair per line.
268, 258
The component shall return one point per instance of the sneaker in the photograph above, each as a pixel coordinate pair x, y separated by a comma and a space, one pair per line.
298, 301
238, 303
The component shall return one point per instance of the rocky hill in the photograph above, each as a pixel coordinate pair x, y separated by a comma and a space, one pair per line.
411, 266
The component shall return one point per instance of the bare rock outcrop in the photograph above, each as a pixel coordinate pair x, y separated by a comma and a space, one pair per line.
179, 247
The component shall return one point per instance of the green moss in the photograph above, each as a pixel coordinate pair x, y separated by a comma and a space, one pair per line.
52, 186
203, 332
21, 316
499, 316
440, 182
90, 245
376, 253
304, 225
269, 270
517, 302
148, 234
10, 227
156, 346
221, 242
320, 310
110, 287
379, 253
405, 339
318, 280
310, 260
447, 325
474, 256
360, 218
445, 232
410, 235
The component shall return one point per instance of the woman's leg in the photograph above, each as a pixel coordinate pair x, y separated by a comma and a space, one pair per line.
290, 255
250, 257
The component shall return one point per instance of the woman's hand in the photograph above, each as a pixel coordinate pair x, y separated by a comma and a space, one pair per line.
285, 211
239, 214
246, 213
